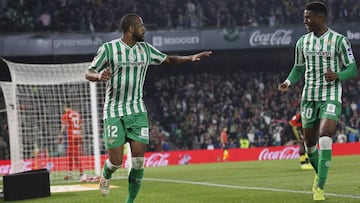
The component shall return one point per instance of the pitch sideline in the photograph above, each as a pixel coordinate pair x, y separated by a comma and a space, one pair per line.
247, 188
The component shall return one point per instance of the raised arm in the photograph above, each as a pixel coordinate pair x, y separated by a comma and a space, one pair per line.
183, 59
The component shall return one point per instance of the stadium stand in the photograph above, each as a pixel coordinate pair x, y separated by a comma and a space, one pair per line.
103, 15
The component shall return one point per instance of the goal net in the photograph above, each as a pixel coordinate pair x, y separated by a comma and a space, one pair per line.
34, 105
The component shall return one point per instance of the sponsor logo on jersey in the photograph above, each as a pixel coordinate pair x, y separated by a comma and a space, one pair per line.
130, 63
318, 53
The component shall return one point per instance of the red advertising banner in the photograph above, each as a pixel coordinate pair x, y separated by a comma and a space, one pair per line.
158, 159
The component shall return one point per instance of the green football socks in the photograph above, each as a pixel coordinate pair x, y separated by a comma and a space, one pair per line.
324, 164
108, 170
314, 159
135, 179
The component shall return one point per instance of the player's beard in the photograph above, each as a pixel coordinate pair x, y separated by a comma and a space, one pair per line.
138, 37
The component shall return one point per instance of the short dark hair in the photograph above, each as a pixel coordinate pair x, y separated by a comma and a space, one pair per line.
317, 6
128, 20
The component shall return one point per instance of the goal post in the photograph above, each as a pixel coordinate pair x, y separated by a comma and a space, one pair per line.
95, 125
11, 106
34, 105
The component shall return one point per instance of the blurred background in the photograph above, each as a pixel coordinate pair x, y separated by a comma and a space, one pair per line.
236, 88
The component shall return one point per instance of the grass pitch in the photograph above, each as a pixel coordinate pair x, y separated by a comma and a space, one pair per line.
230, 182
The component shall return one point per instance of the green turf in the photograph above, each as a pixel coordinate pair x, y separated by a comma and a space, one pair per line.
257, 181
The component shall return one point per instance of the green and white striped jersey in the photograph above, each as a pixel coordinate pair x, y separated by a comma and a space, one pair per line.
124, 90
329, 51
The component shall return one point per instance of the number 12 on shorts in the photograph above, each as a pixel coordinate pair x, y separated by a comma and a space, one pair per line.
112, 131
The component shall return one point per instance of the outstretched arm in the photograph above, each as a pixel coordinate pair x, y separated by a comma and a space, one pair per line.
183, 59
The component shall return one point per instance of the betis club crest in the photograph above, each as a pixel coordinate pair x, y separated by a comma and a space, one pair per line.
231, 34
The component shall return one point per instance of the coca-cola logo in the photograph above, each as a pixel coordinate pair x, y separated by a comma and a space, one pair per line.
157, 159
286, 153
278, 37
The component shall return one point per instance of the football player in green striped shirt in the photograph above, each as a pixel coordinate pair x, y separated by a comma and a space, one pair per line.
325, 59
123, 63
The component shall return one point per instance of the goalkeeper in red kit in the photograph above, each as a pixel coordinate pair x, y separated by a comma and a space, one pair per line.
71, 122
296, 126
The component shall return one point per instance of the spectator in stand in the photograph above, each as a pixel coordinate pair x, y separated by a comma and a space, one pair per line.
165, 145
45, 20
340, 137
244, 142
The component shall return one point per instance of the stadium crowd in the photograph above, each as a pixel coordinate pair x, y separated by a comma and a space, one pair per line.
190, 110
103, 15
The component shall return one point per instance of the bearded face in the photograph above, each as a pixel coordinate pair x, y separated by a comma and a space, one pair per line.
139, 30
138, 36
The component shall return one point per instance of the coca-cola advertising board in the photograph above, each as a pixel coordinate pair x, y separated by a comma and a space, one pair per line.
161, 159
279, 37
